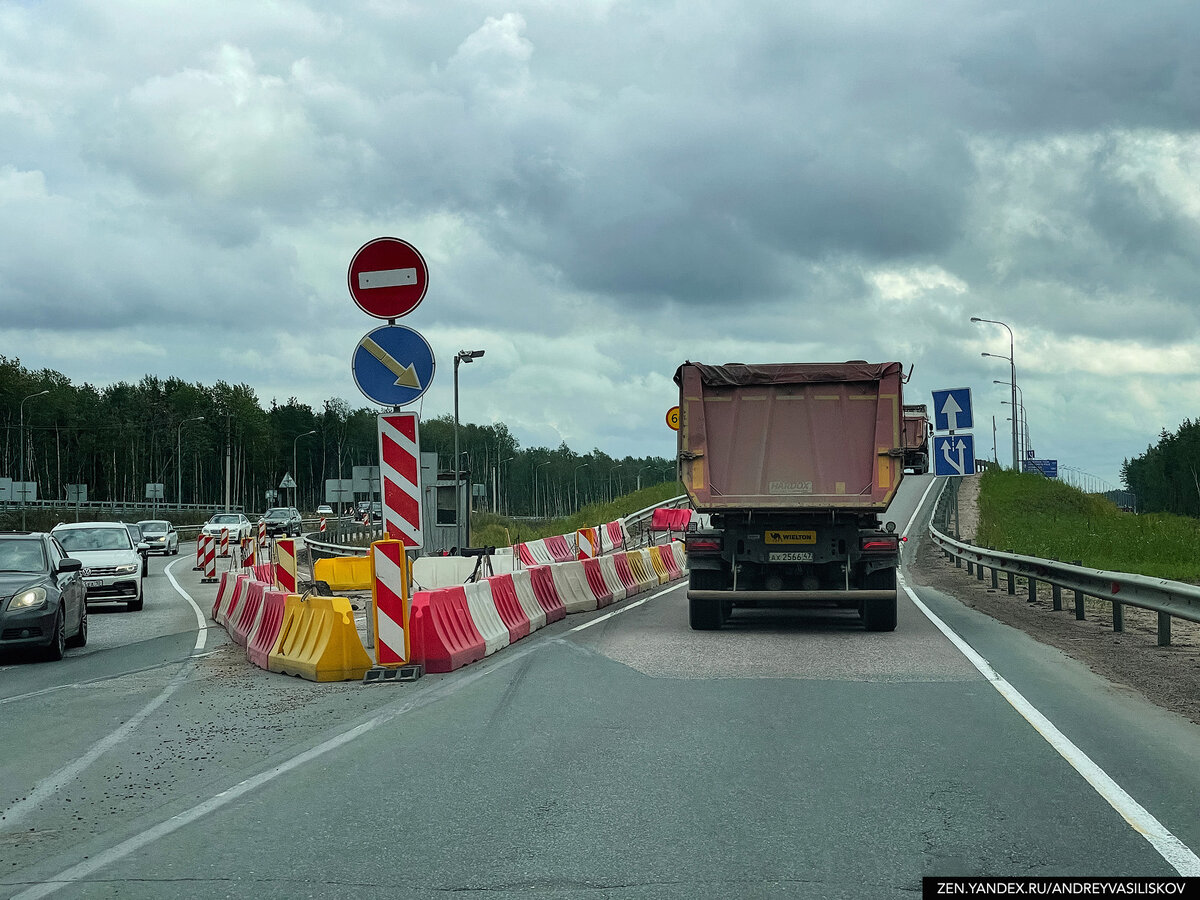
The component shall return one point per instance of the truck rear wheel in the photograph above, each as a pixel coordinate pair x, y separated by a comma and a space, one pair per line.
705, 615
880, 615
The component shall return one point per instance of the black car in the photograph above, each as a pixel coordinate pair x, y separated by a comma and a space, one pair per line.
43, 601
284, 520
139, 541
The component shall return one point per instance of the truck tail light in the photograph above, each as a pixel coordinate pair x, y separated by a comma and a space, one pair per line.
704, 543
880, 543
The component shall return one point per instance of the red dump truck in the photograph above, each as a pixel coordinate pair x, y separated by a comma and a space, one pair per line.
794, 463
916, 438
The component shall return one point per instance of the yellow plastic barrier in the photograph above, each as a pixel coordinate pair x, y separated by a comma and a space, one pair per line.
640, 566
344, 573
319, 641
660, 567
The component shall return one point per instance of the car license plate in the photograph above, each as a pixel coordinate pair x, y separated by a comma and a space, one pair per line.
94, 584
794, 556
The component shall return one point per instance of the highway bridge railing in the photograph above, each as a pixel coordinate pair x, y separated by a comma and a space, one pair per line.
1169, 599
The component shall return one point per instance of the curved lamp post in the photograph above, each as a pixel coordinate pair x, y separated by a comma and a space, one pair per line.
23, 492
1013, 382
179, 454
463, 356
295, 470
535, 484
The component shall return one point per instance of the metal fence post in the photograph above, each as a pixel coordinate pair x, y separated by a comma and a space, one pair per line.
1032, 582
1079, 605
1118, 616
1164, 629
1012, 582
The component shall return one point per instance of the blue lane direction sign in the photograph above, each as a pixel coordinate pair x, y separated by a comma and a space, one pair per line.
1048, 467
393, 365
954, 454
952, 410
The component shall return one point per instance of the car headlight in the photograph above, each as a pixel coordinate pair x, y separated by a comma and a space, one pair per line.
31, 599
126, 570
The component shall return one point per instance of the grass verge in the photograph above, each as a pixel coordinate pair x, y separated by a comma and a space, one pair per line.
1028, 514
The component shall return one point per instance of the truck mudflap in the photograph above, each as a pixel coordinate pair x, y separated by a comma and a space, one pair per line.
791, 596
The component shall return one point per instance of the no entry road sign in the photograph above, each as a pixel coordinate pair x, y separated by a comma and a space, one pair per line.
387, 278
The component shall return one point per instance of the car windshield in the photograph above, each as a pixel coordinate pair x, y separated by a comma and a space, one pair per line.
154, 527
74, 539
135, 532
277, 514
21, 555
225, 520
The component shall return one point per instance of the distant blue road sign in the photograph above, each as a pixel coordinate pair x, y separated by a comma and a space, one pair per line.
952, 410
1048, 467
954, 454
393, 365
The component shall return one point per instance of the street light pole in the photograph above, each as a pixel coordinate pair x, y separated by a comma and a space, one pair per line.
179, 454
24, 495
535, 484
576, 477
610, 471
500, 484
463, 356
1013, 383
639, 477
295, 470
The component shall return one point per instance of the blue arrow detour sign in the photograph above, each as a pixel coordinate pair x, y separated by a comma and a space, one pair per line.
393, 365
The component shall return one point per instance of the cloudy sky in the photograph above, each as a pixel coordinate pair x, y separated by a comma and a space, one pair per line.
604, 189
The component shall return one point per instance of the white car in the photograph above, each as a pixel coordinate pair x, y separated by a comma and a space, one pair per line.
236, 524
325, 510
112, 565
161, 536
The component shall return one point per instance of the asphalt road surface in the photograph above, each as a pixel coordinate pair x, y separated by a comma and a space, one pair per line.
615, 754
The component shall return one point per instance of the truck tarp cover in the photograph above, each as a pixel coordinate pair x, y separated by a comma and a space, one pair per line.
790, 436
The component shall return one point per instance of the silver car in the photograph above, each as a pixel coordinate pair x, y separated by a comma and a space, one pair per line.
161, 536
112, 566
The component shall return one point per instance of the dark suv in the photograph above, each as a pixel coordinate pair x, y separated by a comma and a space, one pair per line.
283, 520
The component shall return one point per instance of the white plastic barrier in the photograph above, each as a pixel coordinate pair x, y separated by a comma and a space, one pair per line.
528, 600
486, 617
433, 572
573, 587
608, 568
540, 553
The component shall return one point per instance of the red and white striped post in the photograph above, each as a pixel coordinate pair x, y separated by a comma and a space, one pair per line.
400, 473
389, 593
202, 541
210, 560
285, 565
322, 523
224, 541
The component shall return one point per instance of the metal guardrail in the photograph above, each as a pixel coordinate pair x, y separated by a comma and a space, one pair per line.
633, 523
1170, 599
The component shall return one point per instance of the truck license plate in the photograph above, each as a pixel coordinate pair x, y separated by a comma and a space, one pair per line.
794, 556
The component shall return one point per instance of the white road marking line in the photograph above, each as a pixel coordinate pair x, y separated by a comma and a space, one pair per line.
51, 784
201, 622
84, 869
1174, 851
617, 612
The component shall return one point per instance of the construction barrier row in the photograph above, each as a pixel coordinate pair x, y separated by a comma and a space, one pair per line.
316, 637
583, 544
313, 637
455, 626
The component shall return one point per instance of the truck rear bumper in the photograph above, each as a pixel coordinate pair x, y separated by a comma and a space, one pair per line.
791, 596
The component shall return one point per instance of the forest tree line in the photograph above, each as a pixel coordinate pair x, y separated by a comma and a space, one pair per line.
1166, 478
120, 438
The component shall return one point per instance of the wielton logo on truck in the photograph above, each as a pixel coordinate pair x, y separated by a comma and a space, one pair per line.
796, 453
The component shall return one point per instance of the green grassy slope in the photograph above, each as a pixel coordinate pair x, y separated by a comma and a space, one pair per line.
1032, 515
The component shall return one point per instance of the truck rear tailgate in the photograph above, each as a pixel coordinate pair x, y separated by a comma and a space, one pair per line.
791, 437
